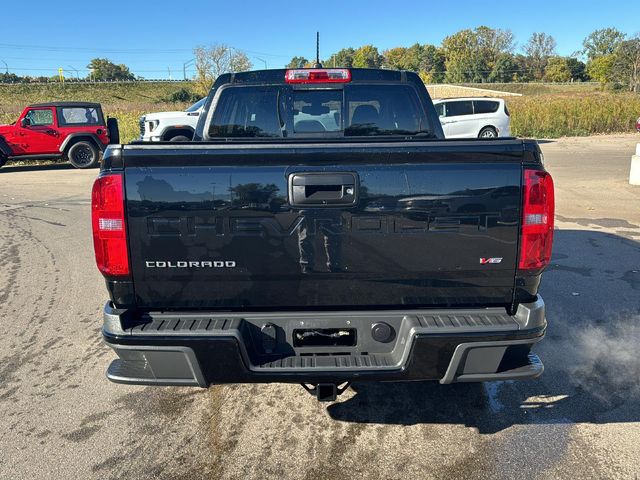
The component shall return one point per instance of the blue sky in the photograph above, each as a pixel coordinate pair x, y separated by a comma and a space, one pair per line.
151, 37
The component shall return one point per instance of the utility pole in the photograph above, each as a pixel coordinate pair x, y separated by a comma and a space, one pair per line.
185, 65
75, 70
263, 61
5, 66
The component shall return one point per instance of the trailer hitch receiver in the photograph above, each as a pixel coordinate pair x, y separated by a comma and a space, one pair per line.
326, 392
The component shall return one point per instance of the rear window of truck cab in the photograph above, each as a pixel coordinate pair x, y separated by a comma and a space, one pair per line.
346, 111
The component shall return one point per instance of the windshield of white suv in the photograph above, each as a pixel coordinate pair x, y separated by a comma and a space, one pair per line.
196, 106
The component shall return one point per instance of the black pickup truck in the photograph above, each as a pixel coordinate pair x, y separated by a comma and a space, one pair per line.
320, 230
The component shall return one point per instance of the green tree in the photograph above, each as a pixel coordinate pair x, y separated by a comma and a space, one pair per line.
396, 58
524, 71
504, 69
494, 42
415, 58
602, 42
344, 58
427, 60
213, 61
367, 56
471, 55
539, 49
578, 70
600, 68
626, 66
432, 62
557, 70
464, 63
103, 69
297, 62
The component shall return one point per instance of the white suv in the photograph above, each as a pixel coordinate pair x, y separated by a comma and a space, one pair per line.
171, 126
473, 117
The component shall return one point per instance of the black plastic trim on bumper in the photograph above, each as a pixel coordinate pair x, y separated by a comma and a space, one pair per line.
200, 349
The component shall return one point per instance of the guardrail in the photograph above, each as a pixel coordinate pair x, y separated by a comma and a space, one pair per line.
76, 82
570, 84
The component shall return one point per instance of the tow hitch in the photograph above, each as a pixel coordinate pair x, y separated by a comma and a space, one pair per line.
326, 392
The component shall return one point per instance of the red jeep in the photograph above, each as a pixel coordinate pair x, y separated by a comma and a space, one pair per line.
74, 131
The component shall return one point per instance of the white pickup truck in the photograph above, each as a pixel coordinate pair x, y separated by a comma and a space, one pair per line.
170, 126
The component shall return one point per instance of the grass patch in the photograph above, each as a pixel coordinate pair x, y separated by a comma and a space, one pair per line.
575, 88
553, 116
13, 98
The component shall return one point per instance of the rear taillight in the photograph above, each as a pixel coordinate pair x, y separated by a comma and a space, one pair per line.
109, 226
318, 75
537, 220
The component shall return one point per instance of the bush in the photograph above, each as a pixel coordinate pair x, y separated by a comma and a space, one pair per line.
184, 96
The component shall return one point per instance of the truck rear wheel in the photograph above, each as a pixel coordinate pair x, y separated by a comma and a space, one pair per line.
83, 154
180, 138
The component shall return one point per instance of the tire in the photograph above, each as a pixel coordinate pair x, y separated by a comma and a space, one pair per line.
180, 138
488, 132
5, 151
83, 154
114, 131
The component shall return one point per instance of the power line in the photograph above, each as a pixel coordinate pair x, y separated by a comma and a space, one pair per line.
55, 70
140, 51
49, 48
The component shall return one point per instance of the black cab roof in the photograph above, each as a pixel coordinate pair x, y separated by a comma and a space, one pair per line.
67, 104
276, 76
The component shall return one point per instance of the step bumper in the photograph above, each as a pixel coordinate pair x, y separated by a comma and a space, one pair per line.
201, 349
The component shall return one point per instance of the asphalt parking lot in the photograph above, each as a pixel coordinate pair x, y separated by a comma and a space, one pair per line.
60, 417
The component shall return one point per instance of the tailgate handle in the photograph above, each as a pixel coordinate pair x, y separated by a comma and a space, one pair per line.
323, 189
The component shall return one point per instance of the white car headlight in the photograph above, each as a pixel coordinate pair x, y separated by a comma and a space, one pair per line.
153, 124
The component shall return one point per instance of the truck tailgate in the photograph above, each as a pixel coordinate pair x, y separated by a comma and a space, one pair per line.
423, 225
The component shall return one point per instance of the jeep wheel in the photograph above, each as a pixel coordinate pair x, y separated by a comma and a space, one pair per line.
3, 160
83, 154
179, 138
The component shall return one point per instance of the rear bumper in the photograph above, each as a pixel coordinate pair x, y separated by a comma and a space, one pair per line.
201, 349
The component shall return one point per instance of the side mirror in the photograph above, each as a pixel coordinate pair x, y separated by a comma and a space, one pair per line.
25, 122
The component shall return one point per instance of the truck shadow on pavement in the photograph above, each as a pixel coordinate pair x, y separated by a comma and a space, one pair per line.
490, 407
592, 368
